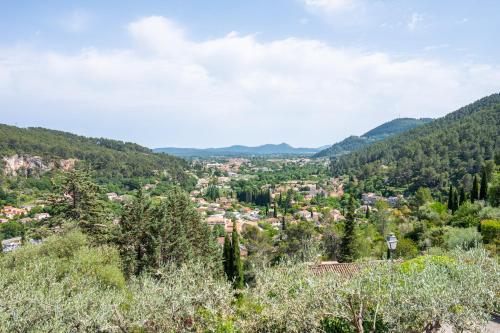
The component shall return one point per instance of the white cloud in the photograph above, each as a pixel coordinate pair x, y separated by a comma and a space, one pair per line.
415, 20
171, 90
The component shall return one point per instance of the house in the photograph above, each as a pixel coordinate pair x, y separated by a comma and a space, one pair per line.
10, 212
112, 196
217, 220
336, 215
2, 220
11, 244
41, 216
370, 198
26, 220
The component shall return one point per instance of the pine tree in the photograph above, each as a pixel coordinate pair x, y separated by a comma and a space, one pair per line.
347, 247
133, 237
169, 233
77, 199
227, 258
483, 192
474, 195
237, 266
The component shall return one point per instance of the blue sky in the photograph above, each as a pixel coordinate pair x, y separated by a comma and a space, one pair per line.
215, 73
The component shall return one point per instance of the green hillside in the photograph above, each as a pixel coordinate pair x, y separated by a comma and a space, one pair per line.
448, 149
109, 158
354, 143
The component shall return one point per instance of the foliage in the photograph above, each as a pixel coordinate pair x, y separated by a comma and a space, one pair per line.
462, 238
11, 229
467, 215
347, 247
77, 199
170, 232
379, 133
110, 158
494, 190
430, 155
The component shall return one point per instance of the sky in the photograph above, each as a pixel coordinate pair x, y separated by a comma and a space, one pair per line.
187, 73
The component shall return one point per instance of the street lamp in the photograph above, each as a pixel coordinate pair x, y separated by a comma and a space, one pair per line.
392, 242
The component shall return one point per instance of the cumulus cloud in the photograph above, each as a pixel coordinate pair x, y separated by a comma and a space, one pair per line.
168, 89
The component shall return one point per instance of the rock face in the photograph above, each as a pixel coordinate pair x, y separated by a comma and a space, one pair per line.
26, 165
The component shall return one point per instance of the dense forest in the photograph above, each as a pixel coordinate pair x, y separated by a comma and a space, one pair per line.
450, 149
354, 143
109, 158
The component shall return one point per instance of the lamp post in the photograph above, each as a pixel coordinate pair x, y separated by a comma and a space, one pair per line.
392, 242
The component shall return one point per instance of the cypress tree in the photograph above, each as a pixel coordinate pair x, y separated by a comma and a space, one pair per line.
275, 213
367, 213
474, 195
455, 200
450, 198
462, 196
347, 246
227, 257
237, 269
483, 192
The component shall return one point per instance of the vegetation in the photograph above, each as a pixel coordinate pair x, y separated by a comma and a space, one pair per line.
446, 150
114, 160
354, 143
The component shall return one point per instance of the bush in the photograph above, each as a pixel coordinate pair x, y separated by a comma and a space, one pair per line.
406, 248
462, 238
467, 215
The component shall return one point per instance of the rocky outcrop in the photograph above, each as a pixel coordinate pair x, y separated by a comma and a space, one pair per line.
26, 165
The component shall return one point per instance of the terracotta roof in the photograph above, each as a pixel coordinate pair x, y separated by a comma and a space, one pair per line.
345, 269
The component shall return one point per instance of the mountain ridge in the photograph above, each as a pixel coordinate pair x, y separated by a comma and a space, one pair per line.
447, 150
381, 132
236, 150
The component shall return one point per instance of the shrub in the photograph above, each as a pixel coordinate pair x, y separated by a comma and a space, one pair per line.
462, 238
490, 229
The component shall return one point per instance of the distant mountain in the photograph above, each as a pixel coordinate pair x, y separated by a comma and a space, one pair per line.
448, 149
354, 143
238, 150
35, 150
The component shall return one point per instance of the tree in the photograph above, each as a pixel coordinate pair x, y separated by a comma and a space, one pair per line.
450, 198
462, 197
483, 191
494, 190
423, 196
133, 235
455, 200
474, 194
227, 257
171, 232
77, 199
347, 247
237, 266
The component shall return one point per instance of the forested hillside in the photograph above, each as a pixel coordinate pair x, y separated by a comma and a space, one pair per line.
379, 133
109, 158
451, 148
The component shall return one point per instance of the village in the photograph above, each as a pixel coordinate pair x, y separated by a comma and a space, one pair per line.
315, 197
